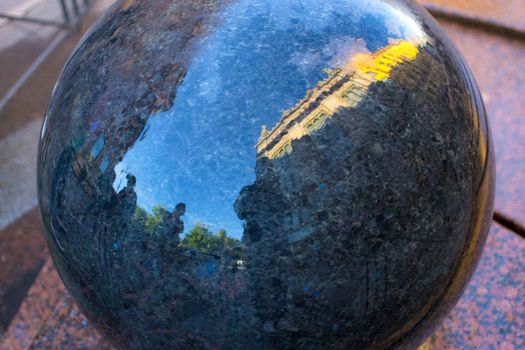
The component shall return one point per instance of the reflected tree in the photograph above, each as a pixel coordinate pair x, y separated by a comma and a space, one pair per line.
150, 222
200, 238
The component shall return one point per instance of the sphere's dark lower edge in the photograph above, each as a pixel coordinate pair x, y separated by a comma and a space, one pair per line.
413, 339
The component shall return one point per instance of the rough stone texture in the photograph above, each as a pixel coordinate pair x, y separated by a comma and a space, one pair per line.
353, 220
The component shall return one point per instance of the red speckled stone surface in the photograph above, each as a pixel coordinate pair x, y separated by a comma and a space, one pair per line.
20, 262
491, 313
48, 319
508, 13
36, 309
67, 328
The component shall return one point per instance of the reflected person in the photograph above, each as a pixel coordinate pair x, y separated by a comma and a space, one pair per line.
174, 226
127, 199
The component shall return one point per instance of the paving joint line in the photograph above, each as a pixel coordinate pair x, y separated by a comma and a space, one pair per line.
32, 68
509, 223
491, 26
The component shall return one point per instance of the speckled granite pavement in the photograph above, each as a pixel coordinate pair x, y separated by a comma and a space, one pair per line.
491, 312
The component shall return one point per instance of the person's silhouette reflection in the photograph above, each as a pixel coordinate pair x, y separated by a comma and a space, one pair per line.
265, 211
173, 227
127, 199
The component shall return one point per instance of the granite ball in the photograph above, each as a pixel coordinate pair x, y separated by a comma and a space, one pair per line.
230, 174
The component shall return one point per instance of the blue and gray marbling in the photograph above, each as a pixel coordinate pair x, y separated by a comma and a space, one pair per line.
265, 174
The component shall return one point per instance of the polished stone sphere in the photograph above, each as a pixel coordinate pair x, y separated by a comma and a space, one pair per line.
274, 174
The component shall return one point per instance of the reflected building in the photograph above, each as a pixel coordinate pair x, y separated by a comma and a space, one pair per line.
342, 186
96, 156
344, 88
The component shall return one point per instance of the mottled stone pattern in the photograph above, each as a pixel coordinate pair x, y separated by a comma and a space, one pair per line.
22, 253
67, 328
48, 319
504, 13
491, 313
353, 219
36, 309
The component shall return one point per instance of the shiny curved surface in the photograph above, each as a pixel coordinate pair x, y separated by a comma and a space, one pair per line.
271, 174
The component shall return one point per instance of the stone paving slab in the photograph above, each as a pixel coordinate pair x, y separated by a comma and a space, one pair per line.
506, 13
49, 319
491, 313
18, 172
33, 314
23, 251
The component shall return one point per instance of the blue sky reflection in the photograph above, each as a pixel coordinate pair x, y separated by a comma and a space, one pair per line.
258, 63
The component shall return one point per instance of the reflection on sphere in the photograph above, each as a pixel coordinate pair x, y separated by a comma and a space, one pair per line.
269, 175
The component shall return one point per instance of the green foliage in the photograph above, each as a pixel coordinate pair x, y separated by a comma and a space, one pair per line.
151, 222
199, 238
140, 217
155, 221
226, 241
159, 212
202, 239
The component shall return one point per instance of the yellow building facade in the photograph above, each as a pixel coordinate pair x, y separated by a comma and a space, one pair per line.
344, 88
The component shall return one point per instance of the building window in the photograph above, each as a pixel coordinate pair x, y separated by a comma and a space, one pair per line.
353, 94
317, 122
286, 148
